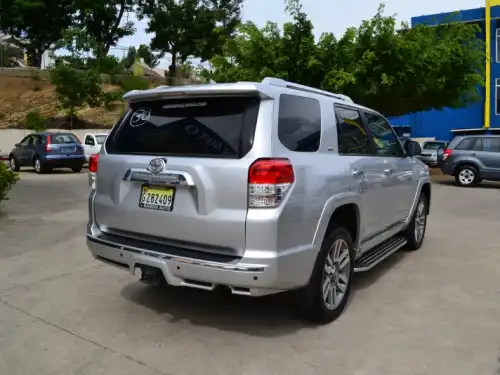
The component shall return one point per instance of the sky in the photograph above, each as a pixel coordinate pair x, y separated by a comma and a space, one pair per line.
326, 15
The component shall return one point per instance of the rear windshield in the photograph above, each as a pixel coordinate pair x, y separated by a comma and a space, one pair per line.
433, 145
207, 127
61, 139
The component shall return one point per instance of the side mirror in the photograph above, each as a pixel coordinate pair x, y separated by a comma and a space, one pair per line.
413, 148
17, 145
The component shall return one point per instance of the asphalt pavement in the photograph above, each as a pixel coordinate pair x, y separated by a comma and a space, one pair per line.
430, 312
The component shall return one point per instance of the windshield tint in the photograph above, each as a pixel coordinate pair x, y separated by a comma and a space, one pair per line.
60, 139
208, 127
100, 139
433, 145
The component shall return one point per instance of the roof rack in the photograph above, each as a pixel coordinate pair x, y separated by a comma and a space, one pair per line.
295, 86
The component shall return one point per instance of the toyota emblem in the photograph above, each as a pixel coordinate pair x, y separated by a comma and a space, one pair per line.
157, 165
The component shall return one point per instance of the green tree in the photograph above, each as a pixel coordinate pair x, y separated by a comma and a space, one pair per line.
190, 28
36, 24
394, 70
144, 52
104, 22
76, 88
8, 179
34, 121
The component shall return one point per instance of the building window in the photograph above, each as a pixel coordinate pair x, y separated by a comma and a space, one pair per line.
497, 96
497, 45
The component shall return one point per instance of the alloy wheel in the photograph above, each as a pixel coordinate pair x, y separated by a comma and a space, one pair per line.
420, 221
336, 274
466, 176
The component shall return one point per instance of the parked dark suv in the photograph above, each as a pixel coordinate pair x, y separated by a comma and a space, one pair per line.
472, 158
45, 151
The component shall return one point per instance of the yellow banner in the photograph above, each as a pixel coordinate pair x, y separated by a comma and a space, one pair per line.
492, 3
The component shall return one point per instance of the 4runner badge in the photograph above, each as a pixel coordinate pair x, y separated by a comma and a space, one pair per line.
157, 165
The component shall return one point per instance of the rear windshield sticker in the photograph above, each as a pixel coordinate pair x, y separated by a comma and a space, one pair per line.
184, 105
140, 117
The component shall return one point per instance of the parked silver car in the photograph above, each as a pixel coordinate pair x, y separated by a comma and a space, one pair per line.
257, 188
430, 152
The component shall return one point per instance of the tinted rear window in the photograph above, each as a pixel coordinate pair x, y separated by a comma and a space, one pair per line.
207, 127
61, 139
299, 123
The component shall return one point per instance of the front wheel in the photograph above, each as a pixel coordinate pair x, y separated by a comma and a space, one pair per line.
323, 300
467, 176
13, 164
415, 232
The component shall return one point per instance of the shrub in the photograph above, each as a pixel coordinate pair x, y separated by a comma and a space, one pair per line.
7, 179
129, 83
34, 121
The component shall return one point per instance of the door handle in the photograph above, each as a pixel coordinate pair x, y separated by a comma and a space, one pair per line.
473, 154
387, 172
357, 173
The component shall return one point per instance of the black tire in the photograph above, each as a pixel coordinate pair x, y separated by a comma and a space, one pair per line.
416, 238
38, 165
311, 301
472, 174
13, 164
76, 169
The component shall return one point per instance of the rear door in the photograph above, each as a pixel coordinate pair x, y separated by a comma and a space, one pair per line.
354, 147
176, 170
487, 151
397, 169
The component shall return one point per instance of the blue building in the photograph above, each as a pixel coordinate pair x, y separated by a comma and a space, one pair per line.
445, 123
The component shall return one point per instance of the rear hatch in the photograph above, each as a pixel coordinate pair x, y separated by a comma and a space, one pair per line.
64, 144
175, 172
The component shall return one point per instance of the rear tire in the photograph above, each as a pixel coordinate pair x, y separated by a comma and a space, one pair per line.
13, 164
76, 169
415, 233
38, 165
467, 176
324, 299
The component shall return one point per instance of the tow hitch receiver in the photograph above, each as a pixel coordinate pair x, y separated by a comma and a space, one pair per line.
152, 276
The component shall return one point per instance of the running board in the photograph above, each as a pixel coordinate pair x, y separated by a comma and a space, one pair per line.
376, 255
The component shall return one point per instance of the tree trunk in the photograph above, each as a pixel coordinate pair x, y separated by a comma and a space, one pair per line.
112, 32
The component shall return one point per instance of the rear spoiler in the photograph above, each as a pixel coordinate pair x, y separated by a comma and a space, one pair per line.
222, 89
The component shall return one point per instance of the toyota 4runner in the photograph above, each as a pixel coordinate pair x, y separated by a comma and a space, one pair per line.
257, 188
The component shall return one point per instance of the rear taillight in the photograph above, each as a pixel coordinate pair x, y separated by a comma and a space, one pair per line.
447, 153
48, 144
93, 162
269, 181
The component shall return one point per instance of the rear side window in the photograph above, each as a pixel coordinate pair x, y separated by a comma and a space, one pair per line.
299, 123
491, 144
60, 139
470, 144
351, 134
204, 127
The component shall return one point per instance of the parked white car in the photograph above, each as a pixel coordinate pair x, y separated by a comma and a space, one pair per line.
92, 143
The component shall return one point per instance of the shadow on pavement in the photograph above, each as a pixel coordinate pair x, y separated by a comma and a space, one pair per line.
268, 316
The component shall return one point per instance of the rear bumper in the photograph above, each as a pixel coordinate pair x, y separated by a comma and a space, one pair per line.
447, 168
249, 277
64, 161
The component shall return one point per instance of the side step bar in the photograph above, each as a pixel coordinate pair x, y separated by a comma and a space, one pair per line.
376, 255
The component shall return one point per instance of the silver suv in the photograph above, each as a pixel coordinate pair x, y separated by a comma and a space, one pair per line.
256, 188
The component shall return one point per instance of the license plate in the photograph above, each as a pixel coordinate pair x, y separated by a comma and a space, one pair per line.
68, 149
157, 198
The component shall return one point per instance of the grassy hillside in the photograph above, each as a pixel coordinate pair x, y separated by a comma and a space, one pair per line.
19, 95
